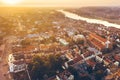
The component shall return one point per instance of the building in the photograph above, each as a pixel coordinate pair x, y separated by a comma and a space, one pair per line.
63, 41
78, 37
99, 42
16, 63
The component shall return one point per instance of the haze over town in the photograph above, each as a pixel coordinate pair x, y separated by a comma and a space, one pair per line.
63, 3
59, 39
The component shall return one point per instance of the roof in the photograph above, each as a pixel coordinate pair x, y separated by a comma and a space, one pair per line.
97, 37
26, 48
18, 62
97, 44
87, 54
97, 41
44, 47
91, 62
29, 48
69, 56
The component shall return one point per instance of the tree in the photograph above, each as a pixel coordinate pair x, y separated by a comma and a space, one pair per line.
74, 72
37, 67
99, 71
45, 65
99, 75
89, 69
81, 41
84, 77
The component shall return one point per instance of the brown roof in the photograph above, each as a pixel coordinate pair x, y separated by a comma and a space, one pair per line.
107, 60
97, 44
97, 37
18, 62
44, 47
87, 54
26, 48
29, 48
91, 62
97, 41
79, 58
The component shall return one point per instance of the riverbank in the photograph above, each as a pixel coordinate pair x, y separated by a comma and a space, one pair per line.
110, 14
89, 20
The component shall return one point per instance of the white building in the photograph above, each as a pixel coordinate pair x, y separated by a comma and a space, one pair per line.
63, 41
107, 43
16, 65
78, 37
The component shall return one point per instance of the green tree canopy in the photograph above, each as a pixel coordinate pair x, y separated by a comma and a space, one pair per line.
45, 64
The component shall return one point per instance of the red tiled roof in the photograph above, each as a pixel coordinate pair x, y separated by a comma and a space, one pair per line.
79, 58
107, 60
91, 62
97, 44
87, 54
97, 37
97, 41
27, 48
44, 47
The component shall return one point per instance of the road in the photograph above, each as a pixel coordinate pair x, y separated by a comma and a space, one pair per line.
6, 50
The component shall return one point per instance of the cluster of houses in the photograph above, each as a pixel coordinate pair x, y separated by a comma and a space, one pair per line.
99, 42
91, 55
60, 31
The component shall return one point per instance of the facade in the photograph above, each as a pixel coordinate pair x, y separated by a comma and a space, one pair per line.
16, 63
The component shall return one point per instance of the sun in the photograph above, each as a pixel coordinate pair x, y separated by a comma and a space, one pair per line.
11, 2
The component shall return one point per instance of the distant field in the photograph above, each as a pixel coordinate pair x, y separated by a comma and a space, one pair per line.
13, 18
111, 14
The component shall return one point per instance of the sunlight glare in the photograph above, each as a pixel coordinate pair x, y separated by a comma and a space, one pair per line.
11, 2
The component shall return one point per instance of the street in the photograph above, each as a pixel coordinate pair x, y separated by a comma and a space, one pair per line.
5, 51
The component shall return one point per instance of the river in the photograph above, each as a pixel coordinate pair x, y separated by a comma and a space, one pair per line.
89, 20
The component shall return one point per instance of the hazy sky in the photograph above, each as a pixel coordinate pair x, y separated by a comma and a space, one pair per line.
69, 3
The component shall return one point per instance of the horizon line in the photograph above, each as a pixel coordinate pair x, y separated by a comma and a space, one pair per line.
66, 6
